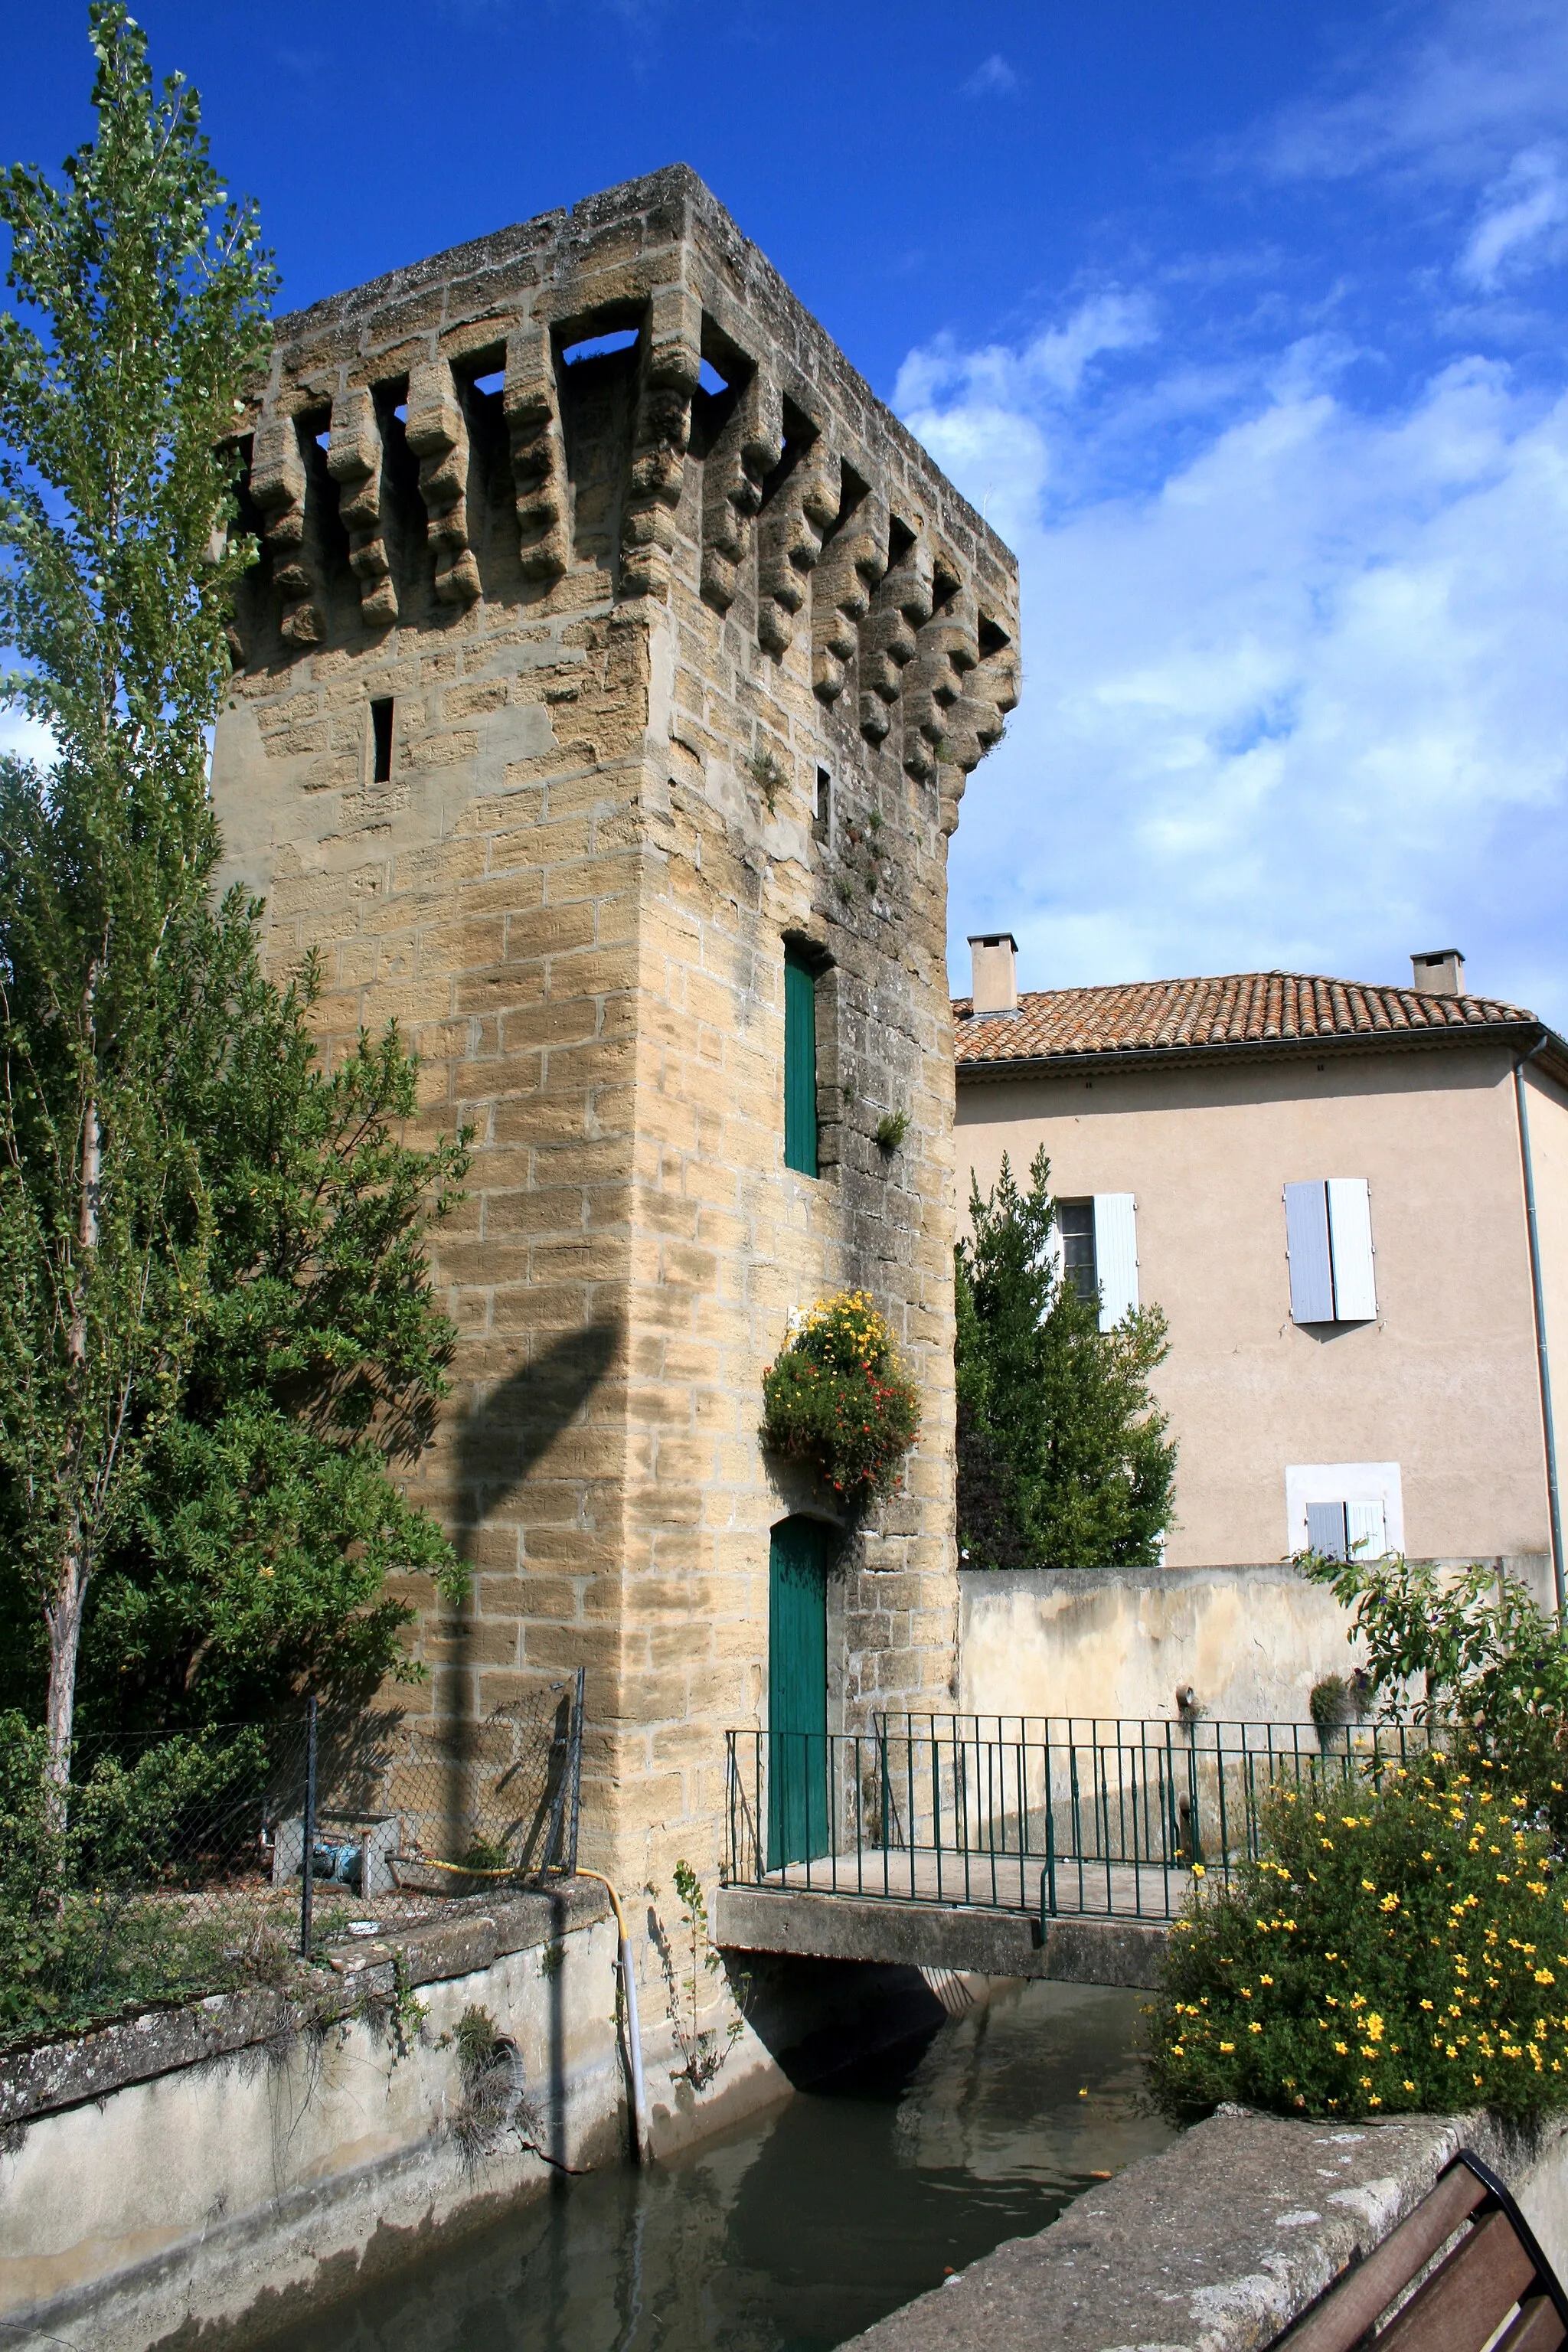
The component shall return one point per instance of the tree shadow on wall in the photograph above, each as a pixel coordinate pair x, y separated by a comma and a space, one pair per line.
499, 1442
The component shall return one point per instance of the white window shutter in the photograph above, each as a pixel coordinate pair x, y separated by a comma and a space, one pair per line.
1326, 1529
1306, 1242
1350, 1242
1364, 1536
1115, 1256
1056, 1256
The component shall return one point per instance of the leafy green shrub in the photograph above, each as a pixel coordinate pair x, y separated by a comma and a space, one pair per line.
1399, 1947
106, 1913
1479, 1657
838, 1396
1063, 1459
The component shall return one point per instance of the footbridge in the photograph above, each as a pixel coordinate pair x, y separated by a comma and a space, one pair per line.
1008, 1845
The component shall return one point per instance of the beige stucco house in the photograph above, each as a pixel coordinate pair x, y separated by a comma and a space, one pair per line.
1352, 1202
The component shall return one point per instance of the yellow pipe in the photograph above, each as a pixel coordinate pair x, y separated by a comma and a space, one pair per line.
642, 2151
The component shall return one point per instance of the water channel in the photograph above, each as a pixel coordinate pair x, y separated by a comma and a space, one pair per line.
792, 2231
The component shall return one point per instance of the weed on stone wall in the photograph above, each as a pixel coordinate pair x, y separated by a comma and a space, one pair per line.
703, 2049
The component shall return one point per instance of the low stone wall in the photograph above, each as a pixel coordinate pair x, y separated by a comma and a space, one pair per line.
1220, 2241
202, 2170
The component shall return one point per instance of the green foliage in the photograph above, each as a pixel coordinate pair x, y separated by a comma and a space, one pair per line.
476, 2034
1485, 1663
703, 2049
216, 1321
1337, 1699
765, 772
1063, 1461
891, 1130
107, 1914
1400, 1949
151, 294
838, 1396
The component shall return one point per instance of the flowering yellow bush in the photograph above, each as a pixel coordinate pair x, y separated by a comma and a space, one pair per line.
1398, 1947
838, 1396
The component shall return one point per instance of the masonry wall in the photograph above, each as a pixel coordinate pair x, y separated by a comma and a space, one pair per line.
1443, 1383
678, 673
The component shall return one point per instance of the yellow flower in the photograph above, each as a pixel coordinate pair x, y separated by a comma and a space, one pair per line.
1343, 2049
1255, 2027
1373, 2026
1227, 2045
1198, 1871
1369, 1885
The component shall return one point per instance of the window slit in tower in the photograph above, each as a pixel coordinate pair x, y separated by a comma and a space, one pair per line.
381, 738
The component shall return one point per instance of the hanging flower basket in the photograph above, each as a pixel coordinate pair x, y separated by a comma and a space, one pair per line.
838, 1396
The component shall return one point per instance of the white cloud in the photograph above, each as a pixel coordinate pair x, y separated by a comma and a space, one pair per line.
1484, 76
22, 738
993, 78
1053, 362
1522, 219
1302, 703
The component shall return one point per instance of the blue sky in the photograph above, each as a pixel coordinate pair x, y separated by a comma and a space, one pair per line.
1249, 327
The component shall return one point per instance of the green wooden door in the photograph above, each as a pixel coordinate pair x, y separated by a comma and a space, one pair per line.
797, 1692
800, 1065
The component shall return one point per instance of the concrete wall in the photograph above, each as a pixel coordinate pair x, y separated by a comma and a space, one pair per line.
148, 2191
1222, 2240
1444, 1382
1121, 1642
627, 625
1251, 1641
1547, 1110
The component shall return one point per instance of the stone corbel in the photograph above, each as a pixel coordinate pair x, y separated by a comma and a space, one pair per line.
353, 461
671, 366
790, 535
738, 464
976, 720
947, 649
531, 402
439, 435
278, 481
900, 610
853, 562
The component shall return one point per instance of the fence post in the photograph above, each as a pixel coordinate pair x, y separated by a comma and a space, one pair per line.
576, 1772
308, 1888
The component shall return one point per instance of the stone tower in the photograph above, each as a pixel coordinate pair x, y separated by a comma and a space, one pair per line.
610, 644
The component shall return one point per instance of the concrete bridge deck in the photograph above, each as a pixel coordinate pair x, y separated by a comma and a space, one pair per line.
1075, 1947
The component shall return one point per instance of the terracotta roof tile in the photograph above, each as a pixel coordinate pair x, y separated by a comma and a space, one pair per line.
1244, 1008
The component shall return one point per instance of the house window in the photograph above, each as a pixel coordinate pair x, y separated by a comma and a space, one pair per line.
1075, 1222
1099, 1241
1328, 1238
800, 1064
1346, 1530
1344, 1510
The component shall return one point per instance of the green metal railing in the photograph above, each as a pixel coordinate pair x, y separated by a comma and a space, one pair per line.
1091, 1817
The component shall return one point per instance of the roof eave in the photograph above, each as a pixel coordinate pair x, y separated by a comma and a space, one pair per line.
1524, 1037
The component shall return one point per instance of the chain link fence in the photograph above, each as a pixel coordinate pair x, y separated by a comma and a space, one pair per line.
175, 1866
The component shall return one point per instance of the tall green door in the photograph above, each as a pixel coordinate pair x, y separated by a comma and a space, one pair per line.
797, 1692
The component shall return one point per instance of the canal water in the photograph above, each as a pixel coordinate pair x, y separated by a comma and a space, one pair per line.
796, 2229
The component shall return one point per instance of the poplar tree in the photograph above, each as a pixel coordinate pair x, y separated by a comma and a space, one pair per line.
209, 1254
1063, 1459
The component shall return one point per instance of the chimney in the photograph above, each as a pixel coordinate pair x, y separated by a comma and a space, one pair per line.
995, 962
1439, 972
